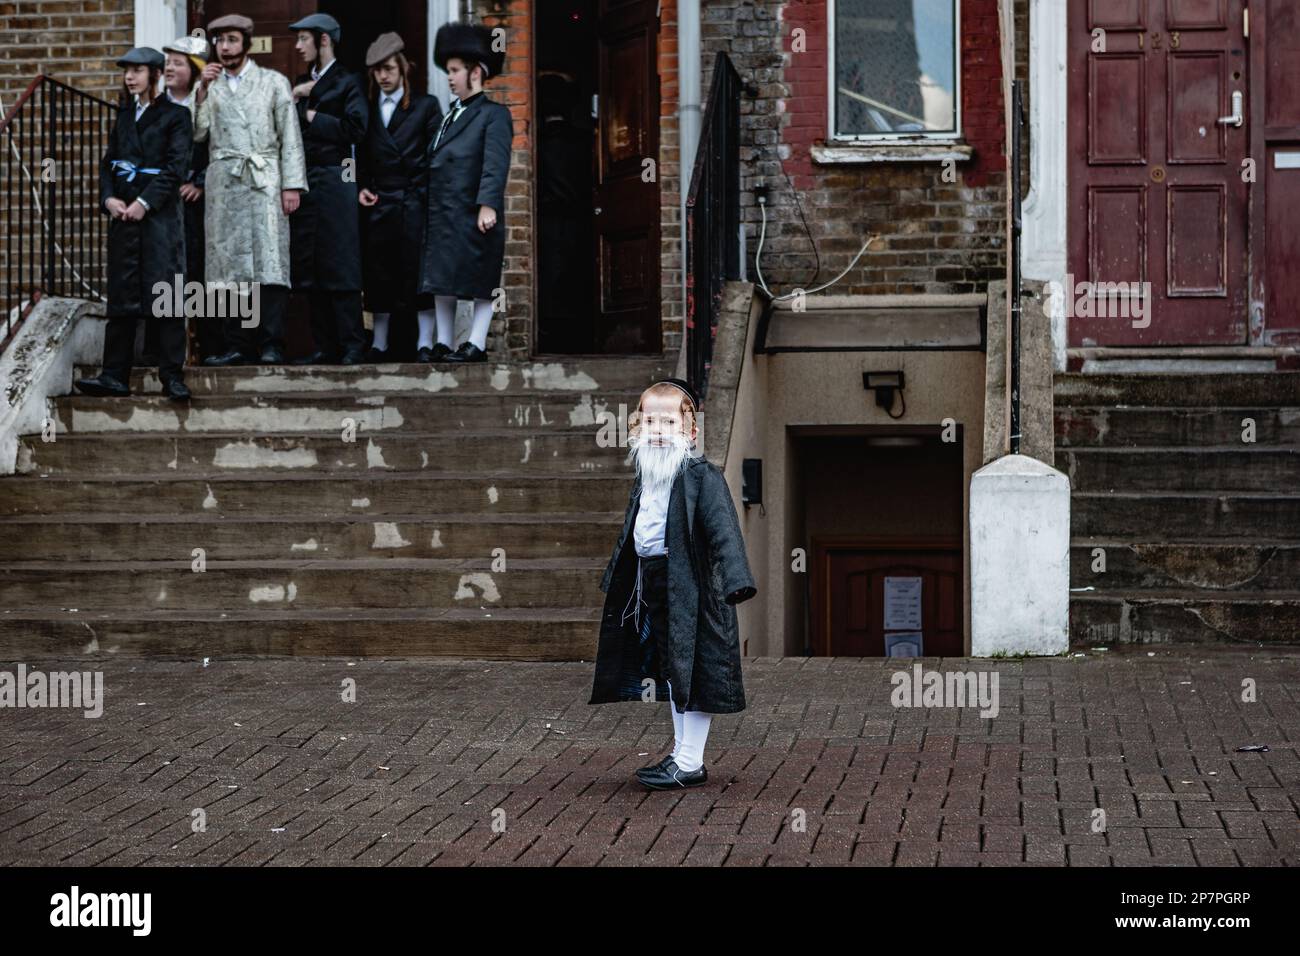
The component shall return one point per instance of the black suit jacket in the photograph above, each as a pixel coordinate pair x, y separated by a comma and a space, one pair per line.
341, 117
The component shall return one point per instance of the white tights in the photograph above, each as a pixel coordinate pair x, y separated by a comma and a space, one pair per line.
690, 731
445, 315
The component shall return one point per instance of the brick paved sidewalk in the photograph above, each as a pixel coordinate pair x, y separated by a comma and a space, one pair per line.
286, 773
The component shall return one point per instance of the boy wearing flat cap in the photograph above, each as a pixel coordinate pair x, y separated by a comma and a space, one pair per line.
394, 183
685, 540
465, 233
139, 187
326, 243
256, 175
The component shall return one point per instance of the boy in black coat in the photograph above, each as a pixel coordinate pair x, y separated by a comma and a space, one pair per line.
139, 185
325, 241
465, 233
394, 178
683, 526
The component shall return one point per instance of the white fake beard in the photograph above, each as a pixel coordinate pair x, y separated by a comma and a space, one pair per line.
658, 465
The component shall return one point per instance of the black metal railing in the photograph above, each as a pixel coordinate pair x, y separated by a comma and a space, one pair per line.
53, 235
712, 220
1013, 285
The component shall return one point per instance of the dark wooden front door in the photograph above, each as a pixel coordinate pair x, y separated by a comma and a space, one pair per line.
867, 595
626, 200
1157, 192
271, 19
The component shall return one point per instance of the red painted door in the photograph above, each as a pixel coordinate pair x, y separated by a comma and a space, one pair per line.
1157, 191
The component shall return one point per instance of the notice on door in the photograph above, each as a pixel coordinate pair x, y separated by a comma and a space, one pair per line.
902, 604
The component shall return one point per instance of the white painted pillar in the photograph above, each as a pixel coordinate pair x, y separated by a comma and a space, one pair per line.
158, 22
1020, 558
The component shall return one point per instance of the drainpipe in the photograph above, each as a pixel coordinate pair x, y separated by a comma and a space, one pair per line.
688, 124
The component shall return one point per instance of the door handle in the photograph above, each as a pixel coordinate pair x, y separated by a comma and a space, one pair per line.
1237, 118
596, 210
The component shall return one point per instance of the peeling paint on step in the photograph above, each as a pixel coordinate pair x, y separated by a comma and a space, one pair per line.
308, 545
250, 454
528, 451
436, 540
361, 502
500, 378
424, 459
554, 376
210, 502
374, 455
493, 494
273, 593
481, 580
388, 536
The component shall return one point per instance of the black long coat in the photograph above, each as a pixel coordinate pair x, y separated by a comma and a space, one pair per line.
708, 574
468, 169
194, 229
391, 164
324, 234
145, 253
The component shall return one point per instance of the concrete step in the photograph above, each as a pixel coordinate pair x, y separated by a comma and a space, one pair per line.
372, 583
406, 451
302, 496
1088, 427
110, 538
1187, 617
1211, 567
1224, 469
447, 411
1170, 516
542, 634
569, 374
1273, 389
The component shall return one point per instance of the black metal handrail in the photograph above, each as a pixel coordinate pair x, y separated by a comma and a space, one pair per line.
712, 220
1013, 287
53, 234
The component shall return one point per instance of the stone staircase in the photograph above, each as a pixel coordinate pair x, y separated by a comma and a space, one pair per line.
471, 517
1199, 529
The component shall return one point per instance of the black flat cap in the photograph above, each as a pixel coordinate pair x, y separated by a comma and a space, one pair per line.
143, 56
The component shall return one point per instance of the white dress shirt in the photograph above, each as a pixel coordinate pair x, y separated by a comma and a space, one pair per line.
652, 521
388, 104
233, 78
317, 75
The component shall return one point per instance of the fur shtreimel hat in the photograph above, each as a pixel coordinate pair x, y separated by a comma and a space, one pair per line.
470, 42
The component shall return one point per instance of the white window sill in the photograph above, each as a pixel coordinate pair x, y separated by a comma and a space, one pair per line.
891, 152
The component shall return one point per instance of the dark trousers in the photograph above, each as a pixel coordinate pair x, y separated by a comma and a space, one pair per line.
269, 332
336, 324
651, 647
119, 347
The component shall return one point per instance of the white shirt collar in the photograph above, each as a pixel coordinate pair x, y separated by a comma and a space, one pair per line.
393, 97
316, 76
184, 102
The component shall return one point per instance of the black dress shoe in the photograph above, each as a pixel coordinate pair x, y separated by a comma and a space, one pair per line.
377, 356
102, 386
654, 767
176, 390
233, 357
317, 358
438, 353
272, 356
468, 352
355, 357
672, 777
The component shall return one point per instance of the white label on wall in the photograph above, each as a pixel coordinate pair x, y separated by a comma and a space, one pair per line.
904, 644
902, 604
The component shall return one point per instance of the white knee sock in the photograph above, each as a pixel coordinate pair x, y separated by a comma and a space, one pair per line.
482, 320
677, 722
381, 330
446, 308
425, 318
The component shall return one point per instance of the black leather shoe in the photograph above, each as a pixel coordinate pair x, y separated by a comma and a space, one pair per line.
355, 357
654, 767
103, 386
317, 358
272, 356
468, 352
672, 777
378, 356
176, 390
438, 353
233, 357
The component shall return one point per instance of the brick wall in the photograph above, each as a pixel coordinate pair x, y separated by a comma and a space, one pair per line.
936, 237
76, 41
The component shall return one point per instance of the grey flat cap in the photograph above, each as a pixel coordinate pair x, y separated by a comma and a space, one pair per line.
322, 22
386, 45
143, 56
233, 21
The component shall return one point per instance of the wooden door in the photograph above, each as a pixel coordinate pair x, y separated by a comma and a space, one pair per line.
1157, 192
862, 593
626, 201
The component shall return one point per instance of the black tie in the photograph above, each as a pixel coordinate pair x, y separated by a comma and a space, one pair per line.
447, 121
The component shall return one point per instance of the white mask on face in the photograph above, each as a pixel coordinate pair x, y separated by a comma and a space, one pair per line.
658, 465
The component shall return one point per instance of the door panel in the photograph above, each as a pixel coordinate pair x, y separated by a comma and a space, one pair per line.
1156, 184
626, 205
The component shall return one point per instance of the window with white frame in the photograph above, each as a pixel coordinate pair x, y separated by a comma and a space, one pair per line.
894, 70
